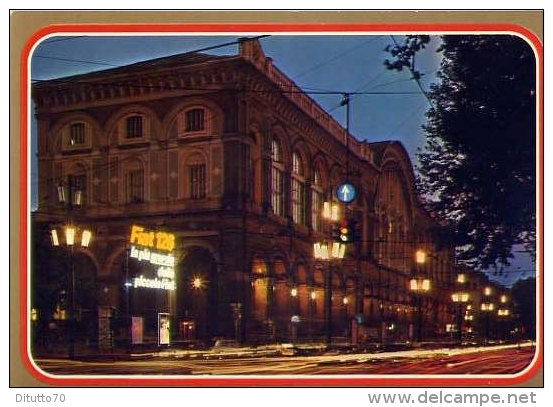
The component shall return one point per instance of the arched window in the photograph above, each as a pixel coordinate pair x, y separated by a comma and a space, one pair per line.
316, 200
134, 182
76, 135
277, 193
134, 127
298, 189
196, 172
194, 120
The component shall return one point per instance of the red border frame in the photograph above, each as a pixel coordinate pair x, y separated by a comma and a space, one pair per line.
246, 381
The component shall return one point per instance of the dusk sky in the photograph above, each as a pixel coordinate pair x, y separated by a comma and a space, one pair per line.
390, 105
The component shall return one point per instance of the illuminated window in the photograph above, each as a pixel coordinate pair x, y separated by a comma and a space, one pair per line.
277, 193
134, 127
194, 120
316, 201
77, 134
298, 190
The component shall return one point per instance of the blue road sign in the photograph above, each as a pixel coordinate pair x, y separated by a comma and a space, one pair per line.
346, 193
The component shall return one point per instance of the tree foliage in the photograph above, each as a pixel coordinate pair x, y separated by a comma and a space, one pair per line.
478, 168
404, 54
524, 298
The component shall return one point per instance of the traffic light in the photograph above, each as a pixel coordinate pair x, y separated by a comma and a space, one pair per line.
346, 231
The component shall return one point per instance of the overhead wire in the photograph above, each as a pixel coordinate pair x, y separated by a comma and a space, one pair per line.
407, 118
79, 61
195, 51
336, 57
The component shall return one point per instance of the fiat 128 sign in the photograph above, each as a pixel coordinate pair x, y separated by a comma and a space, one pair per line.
155, 248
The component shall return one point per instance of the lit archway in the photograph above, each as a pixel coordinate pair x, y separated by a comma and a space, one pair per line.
196, 298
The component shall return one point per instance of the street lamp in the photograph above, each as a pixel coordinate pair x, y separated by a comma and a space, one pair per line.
312, 309
197, 283
460, 298
69, 237
331, 211
327, 251
419, 285
345, 301
487, 308
420, 257
295, 318
503, 314
237, 316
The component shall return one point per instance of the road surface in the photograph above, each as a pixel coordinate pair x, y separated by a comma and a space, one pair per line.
497, 360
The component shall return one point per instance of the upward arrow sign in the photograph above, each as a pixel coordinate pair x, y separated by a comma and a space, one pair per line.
346, 193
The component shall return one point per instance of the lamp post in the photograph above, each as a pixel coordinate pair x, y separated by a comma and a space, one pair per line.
198, 323
503, 314
327, 251
345, 301
312, 308
460, 298
419, 285
487, 306
237, 316
294, 318
69, 236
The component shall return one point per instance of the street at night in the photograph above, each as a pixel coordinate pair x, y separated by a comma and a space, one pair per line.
478, 360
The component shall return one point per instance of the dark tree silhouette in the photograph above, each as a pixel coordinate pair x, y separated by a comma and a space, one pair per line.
524, 298
477, 172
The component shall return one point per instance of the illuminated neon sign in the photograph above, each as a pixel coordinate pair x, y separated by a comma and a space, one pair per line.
145, 249
154, 240
163, 284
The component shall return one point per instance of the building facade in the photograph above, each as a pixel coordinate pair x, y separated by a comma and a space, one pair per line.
227, 155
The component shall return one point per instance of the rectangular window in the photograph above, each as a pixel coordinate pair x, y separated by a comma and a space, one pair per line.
316, 209
298, 201
194, 120
134, 127
196, 175
135, 186
76, 134
278, 192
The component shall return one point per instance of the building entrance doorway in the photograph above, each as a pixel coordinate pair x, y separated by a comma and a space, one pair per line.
197, 302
